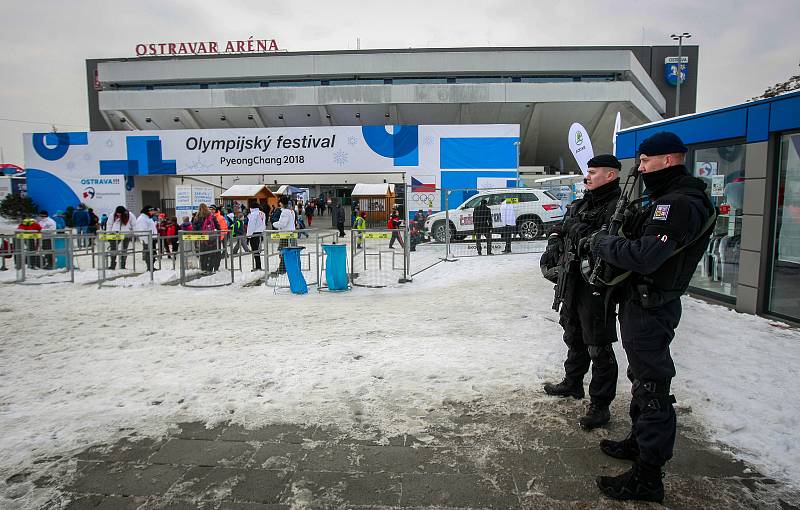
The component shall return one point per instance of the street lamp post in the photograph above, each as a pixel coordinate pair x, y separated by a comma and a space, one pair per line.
679, 38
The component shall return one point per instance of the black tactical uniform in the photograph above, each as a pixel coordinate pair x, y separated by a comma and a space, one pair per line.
663, 244
587, 316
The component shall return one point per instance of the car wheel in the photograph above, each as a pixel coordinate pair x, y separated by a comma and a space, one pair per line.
438, 231
531, 228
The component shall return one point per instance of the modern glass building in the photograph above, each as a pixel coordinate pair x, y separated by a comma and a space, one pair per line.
750, 156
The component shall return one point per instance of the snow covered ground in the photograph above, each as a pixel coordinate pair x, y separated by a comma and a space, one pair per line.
80, 364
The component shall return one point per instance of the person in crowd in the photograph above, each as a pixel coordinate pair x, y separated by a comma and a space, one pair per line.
256, 225
301, 225
103, 221
174, 227
360, 225
223, 227
337, 217
274, 216
144, 224
309, 211
185, 224
395, 224
94, 225
587, 312
482, 223
122, 222
206, 221
81, 221
508, 222
164, 241
48, 226
238, 231
230, 216
663, 243
417, 230
61, 222
285, 223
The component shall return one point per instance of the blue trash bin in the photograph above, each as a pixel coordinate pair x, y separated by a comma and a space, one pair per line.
291, 260
336, 266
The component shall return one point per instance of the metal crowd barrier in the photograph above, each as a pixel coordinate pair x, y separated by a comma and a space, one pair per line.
201, 256
378, 258
39, 256
525, 237
120, 252
310, 257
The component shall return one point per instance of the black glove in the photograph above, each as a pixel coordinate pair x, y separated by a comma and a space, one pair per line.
595, 239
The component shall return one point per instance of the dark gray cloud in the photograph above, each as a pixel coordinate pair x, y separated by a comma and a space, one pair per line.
745, 46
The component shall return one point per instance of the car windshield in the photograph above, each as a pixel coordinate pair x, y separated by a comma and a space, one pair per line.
550, 195
472, 202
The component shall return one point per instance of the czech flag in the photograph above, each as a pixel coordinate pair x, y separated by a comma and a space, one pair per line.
418, 186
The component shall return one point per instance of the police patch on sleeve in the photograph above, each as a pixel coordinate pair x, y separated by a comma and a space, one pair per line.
661, 212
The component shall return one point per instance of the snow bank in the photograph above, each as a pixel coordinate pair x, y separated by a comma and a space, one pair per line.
79, 364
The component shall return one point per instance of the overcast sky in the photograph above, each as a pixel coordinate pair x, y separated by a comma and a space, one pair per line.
745, 46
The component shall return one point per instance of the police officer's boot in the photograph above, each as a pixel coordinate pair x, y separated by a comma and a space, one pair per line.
597, 415
565, 388
640, 483
627, 449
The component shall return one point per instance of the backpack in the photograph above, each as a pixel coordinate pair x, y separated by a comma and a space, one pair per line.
208, 224
237, 227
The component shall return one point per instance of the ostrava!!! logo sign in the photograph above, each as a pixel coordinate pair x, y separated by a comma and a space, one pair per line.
578, 138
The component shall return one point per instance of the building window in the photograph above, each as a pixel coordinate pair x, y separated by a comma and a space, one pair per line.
722, 169
784, 291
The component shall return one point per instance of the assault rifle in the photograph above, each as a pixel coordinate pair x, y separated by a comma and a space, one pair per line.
602, 273
563, 289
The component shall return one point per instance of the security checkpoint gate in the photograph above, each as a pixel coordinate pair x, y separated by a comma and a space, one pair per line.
120, 252
36, 255
206, 259
378, 258
310, 257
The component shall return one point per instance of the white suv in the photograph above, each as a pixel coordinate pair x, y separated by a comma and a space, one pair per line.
534, 210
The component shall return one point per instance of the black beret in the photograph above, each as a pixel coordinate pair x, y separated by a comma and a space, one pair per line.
660, 143
604, 160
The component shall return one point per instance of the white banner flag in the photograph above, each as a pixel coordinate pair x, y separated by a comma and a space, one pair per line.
581, 146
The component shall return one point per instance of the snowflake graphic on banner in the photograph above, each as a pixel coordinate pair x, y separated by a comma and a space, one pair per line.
428, 140
199, 165
352, 140
340, 158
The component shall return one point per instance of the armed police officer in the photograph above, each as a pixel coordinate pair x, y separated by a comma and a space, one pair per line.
662, 246
587, 313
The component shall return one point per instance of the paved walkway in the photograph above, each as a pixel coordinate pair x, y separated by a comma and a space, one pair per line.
534, 461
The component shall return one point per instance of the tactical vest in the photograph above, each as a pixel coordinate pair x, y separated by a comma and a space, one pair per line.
586, 218
672, 279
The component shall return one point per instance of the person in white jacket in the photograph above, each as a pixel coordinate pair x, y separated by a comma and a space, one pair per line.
508, 220
48, 226
256, 225
286, 223
144, 223
122, 222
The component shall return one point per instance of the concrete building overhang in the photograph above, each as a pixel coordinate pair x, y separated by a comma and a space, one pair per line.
544, 110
